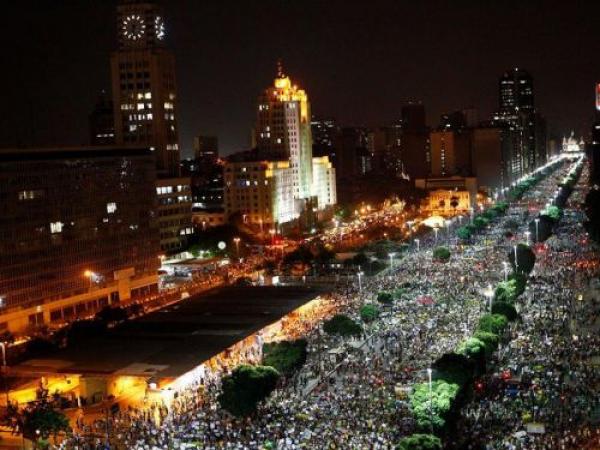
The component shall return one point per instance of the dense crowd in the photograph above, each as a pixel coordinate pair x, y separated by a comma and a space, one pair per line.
349, 395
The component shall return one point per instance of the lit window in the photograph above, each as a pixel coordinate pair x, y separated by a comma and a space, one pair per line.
148, 95
111, 207
140, 106
56, 227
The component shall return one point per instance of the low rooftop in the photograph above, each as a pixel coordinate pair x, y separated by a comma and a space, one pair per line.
174, 340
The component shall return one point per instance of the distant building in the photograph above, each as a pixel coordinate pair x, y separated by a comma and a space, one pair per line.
516, 109
78, 230
275, 183
448, 195
145, 104
324, 131
102, 122
493, 150
206, 149
450, 153
413, 117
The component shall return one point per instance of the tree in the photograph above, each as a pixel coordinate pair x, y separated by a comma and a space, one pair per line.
525, 259
246, 387
463, 233
420, 442
369, 313
543, 230
434, 413
472, 347
490, 341
519, 281
342, 325
493, 323
506, 309
506, 291
385, 298
285, 356
360, 259
480, 222
441, 254
453, 368
44, 418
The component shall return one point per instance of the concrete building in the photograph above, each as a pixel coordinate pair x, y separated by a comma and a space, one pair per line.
274, 183
145, 98
493, 150
450, 153
77, 232
102, 122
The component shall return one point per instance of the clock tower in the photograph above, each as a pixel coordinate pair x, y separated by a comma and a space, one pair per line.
145, 110
143, 84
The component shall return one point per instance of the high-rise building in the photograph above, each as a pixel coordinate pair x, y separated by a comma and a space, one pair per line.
450, 153
323, 131
102, 122
516, 109
275, 183
145, 107
78, 232
206, 149
516, 92
493, 149
283, 129
413, 117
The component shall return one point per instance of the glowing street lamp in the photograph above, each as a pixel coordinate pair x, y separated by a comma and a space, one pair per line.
537, 231
489, 293
505, 264
360, 274
516, 261
237, 246
272, 232
391, 255
90, 275
527, 234
435, 229
418, 242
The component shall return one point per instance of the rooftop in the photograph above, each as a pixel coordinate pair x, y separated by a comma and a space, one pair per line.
174, 340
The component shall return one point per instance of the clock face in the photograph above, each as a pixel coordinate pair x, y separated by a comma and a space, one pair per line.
159, 28
133, 27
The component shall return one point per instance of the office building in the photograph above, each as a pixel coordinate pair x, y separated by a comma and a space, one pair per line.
145, 103
274, 183
102, 122
77, 232
206, 149
450, 153
324, 131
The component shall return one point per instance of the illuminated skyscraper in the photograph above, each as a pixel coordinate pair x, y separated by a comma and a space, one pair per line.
280, 182
283, 129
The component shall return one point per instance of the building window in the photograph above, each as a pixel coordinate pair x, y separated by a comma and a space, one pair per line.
56, 227
111, 207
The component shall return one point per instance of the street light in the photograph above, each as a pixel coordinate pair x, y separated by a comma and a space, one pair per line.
516, 261
505, 264
537, 233
272, 231
435, 229
90, 275
391, 255
237, 246
430, 400
360, 274
418, 242
489, 293
527, 234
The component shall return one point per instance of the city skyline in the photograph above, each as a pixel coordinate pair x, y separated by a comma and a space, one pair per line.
224, 61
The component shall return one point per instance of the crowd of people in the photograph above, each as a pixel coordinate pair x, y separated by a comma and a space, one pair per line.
350, 394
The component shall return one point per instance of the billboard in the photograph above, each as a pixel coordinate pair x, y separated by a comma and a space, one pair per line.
598, 97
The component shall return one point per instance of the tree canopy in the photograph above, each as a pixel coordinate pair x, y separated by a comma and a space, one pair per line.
342, 325
285, 356
420, 442
246, 387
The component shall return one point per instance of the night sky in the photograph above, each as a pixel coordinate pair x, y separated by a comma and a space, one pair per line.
358, 60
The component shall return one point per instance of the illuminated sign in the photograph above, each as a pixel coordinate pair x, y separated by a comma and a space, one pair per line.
598, 96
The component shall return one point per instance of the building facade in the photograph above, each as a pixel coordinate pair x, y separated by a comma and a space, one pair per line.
77, 232
275, 183
145, 99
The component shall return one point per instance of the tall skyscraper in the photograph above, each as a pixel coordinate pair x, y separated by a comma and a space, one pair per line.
206, 149
283, 129
516, 109
143, 84
516, 91
280, 182
145, 110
